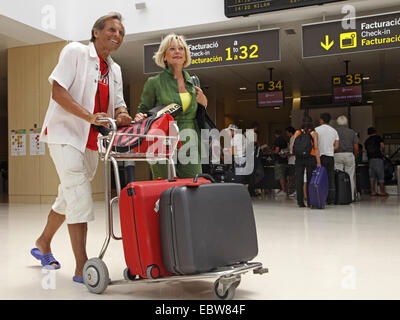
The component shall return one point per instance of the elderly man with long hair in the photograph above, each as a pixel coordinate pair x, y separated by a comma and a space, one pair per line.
86, 85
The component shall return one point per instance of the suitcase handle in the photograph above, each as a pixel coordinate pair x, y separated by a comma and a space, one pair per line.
203, 175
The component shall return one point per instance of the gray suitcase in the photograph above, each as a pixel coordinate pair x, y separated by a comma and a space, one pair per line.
206, 226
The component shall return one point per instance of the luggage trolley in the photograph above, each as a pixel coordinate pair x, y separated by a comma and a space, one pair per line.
95, 272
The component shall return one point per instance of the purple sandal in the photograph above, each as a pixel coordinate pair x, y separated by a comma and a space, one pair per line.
37, 253
77, 279
46, 259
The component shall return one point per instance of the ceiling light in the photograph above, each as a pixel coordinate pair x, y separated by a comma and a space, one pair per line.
290, 31
246, 100
277, 108
366, 78
242, 88
140, 5
385, 90
370, 101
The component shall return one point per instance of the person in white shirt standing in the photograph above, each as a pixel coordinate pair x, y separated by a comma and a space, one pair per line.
328, 142
86, 85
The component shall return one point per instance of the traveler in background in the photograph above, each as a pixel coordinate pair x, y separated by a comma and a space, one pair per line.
307, 162
348, 149
328, 142
360, 152
238, 151
290, 172
86, 85
258, 170
375, 146
130, 171
281, 161
126, 172
256, 127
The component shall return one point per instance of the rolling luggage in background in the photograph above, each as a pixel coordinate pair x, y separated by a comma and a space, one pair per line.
139, 216
343, 187
362, 179
318, 188
203, 227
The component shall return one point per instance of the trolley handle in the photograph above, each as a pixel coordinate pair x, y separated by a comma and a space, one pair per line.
203, 175
111, 121
106, 132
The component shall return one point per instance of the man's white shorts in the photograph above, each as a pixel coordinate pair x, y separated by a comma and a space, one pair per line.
76, 170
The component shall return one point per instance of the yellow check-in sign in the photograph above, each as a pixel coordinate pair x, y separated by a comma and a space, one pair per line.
336, 80
327, 44
348, 40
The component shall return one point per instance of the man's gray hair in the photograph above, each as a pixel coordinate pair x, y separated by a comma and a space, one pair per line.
101, 22
342, 121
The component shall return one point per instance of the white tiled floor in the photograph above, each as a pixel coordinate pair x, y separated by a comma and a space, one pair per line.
342, 252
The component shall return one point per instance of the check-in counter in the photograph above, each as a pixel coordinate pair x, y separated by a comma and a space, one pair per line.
269, 181
363, 183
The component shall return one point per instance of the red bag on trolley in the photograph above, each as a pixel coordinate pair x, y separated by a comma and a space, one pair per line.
158, 122
155, 130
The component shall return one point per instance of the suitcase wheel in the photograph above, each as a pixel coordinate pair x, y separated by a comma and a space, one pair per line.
128, 275
225, 289
153, 272
95, 275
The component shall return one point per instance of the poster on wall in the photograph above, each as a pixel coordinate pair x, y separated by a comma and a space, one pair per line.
36, 147
18, 142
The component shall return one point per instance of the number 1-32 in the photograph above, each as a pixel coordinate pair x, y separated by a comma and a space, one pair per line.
244, 54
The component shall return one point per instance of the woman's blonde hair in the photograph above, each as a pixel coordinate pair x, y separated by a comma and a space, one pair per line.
164, 45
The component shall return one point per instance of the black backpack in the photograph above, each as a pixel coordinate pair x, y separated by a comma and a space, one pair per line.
302, 145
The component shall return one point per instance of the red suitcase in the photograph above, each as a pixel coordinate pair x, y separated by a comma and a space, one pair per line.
139, 216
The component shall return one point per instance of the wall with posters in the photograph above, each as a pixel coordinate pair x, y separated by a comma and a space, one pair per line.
32, 175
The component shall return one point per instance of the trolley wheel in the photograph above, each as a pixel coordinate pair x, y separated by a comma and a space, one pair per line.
95, 275
230, 291
153, 272
128, 275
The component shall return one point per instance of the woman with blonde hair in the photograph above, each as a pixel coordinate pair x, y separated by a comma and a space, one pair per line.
174, 85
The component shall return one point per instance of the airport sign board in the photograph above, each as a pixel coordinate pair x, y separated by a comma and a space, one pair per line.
270, 93
378, 32
235, 8
225, 50
347, 88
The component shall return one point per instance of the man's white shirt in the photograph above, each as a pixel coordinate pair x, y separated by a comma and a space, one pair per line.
78, 71
326, 139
